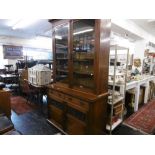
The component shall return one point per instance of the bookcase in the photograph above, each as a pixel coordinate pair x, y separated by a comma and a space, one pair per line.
77, 99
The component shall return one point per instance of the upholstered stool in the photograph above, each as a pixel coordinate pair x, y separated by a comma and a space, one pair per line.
12, 132
5, 125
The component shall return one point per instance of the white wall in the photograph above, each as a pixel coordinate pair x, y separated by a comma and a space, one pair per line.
140, 47
35, 44
2, 61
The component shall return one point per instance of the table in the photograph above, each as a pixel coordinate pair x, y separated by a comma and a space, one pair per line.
8, 77
136, 86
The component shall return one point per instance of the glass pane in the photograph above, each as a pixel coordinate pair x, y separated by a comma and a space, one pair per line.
83, 53
61, 53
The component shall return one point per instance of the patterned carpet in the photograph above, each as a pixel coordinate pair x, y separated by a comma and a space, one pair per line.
20, 105
144, 119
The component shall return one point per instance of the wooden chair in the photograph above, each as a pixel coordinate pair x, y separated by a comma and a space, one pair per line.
28, 91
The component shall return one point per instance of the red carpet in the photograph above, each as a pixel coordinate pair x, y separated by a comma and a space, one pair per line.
20, 105
144, 119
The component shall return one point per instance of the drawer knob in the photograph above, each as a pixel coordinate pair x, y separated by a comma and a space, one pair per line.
81, 103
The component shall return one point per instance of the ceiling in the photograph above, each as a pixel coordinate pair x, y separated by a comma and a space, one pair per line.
119, 31
146, 24
41, 28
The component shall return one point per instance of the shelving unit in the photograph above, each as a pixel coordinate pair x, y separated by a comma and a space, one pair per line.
116, 104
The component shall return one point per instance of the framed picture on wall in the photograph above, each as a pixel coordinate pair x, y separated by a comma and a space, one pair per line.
12, 52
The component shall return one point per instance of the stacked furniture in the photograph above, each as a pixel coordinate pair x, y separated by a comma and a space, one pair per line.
77, 100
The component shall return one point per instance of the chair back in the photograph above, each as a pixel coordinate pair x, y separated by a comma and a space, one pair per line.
25, 86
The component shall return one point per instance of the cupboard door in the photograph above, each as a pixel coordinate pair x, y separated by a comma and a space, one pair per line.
83, 53
75, 126
56, 113
76, 121
61, 53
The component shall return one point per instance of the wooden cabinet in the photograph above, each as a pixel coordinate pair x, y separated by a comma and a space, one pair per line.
77, 100
5, 105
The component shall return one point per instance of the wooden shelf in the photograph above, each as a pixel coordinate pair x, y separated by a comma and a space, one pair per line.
114, 125
84, 73
61, 70
61, 58
61, 46
116, 100
116, 84
83, 60
61, 76
62, 53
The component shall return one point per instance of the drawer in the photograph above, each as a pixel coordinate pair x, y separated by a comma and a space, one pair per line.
75, 126
77, 103
56, 94
55, 97
61, 95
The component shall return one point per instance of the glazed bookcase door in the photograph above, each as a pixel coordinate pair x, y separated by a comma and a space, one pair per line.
61, 53
83, 53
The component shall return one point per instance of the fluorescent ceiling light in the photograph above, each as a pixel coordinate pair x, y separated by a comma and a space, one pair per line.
150, 20
12, 22
84, 31
24, 23
58, 37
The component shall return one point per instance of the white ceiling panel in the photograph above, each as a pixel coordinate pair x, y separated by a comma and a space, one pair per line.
146, 24
40, 28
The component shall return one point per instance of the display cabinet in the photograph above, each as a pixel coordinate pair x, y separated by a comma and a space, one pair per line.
77, 100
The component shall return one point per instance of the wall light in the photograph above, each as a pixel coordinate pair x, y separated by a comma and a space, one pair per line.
12, 22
